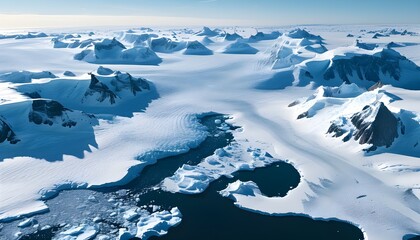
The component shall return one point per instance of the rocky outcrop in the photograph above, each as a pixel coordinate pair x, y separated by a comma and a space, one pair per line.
6, 133
111, 51
381, 131
375, 125
50, 112
107, 88
104, 92
367, 67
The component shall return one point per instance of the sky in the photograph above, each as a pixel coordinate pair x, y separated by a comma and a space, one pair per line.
55, 13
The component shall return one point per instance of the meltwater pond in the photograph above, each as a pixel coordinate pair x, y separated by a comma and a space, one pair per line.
204, 216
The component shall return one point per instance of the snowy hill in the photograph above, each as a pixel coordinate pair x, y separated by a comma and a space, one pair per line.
206, 31
25, 76
102, 91
24, 36
293, 48
260, 36
363, 67
166, 45
361, 115
111, 51
374, 125
239, 47
196, 48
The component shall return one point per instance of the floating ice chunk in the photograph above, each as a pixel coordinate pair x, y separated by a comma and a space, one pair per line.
123, 234
221, 153
103, 237
46, 227
158, 223
26, 223
131, 214
225, 161
238, 187
81, 232
92, 198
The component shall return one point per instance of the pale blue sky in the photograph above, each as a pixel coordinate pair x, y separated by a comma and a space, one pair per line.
262, 12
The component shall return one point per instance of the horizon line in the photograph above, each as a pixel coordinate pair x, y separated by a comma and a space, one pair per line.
31, 21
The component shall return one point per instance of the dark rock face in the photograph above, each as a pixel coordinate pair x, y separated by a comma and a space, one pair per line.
336, 130
33, 95
47, 111
374, 125
126, 81
376, 86
96, 86
367, 67
7, 134
119, 82
381, 132
303, 115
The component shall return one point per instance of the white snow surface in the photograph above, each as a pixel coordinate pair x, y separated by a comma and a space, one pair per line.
238, 187
333, 174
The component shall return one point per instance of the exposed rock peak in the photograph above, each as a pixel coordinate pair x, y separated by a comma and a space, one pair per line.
108, 86
49, 112
367, 67
7, 134
375, 125
96, 86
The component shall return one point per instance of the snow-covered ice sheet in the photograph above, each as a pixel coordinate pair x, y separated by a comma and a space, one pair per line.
334, 174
